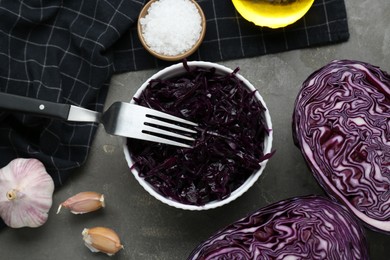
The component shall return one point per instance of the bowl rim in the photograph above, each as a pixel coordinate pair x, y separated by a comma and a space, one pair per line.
178, 57
175, 70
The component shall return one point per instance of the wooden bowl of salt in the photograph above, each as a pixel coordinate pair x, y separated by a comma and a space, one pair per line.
171, 30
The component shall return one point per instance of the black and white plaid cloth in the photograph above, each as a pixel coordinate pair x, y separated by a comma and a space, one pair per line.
67, 51
229, 36
61, 51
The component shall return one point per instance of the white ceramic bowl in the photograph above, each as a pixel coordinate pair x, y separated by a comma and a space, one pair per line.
177, 70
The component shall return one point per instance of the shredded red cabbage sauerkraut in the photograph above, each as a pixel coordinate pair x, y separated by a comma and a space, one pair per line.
228, 147
309, 227
342, 127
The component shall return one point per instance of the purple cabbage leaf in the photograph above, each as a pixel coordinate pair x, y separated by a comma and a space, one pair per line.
307, 227
341, 124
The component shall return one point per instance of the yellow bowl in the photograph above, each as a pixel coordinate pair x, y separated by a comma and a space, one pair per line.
272, 13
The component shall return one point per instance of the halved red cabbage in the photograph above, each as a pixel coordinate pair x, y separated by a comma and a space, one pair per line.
341, 124
307, 227
228, 148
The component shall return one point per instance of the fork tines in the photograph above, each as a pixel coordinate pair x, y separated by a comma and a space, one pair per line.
169, 129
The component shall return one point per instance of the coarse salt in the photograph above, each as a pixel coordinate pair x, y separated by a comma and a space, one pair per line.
171, 27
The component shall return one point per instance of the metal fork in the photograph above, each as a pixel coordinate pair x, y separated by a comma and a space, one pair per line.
121, 119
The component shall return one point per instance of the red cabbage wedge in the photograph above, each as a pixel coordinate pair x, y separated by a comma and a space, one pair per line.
341, 124
309, 227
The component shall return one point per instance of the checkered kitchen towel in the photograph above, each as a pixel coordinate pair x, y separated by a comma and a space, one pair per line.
61, 51
66, 51
229, 36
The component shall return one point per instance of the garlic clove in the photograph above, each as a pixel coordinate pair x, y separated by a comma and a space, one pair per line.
83, 202
26, 193
102, 239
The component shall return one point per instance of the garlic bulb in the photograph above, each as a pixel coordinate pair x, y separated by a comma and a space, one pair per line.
26, 192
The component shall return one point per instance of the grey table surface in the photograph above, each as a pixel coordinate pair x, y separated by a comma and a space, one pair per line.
150, 229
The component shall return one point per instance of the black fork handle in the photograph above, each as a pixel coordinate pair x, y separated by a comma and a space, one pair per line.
33, 106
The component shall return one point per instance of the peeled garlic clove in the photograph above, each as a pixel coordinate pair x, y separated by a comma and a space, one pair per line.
26, 193
102, 239
83, 202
